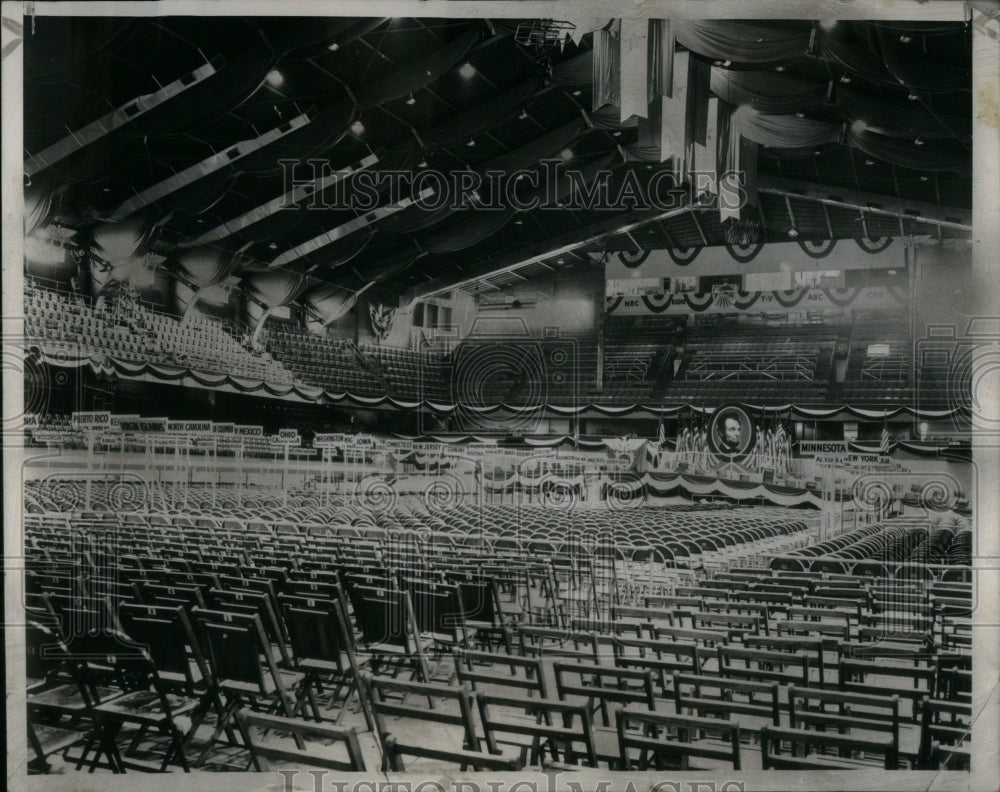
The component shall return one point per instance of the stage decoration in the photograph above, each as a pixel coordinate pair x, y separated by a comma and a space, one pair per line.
873, 246
632, 258
206, 266
727, 298
381, 317
744, 41
275, 287
683, 256
817, 249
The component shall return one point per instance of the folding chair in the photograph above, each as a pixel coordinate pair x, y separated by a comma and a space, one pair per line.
945, 732
673, 740
566, 744
803, 753
320, 640
235, 645
261, 754
389, 631
144, 703
394, 746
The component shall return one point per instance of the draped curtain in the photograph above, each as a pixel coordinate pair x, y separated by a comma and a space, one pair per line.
744, 41
118, 242
275, 287
411, 77
768, 92
606, 71
206, 266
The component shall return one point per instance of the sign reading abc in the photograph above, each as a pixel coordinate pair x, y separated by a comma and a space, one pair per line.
731, 433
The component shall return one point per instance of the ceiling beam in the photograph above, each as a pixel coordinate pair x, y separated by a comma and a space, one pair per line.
118, 118
207, 166
290, 198
873, 203
546, 249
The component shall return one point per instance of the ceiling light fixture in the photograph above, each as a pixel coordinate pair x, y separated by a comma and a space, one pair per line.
566, 154
522, 115
411, 100
275, 78
358, 128
905, 39
333, 47
869, 162
577, 92
273, 246
779, 68
793, 232
925, 178
471, 143
422, 163
467, 70
845, 79
518, 222
913, 97
918, 142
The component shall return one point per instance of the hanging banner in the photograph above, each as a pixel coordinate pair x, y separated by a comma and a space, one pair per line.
726, 298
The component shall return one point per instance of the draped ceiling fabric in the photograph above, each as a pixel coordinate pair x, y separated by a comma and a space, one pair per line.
606, 71
206, 266
466, 125
744, 42
766, 91
331, 302
275, 287
118, 242
414, 76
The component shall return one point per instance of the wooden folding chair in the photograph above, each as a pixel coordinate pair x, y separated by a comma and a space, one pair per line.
262, 753
673, 740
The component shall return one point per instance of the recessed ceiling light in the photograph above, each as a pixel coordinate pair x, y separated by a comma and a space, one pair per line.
467, 70
411, 100
275, 78
358, 128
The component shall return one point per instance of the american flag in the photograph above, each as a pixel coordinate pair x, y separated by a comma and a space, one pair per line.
885, 441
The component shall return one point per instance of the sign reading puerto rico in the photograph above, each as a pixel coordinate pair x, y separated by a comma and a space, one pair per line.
91, 420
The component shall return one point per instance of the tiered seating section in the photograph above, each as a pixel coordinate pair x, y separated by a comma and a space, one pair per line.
130, 331
879, 377
717, 363
377, 644
731, 361
333, 364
